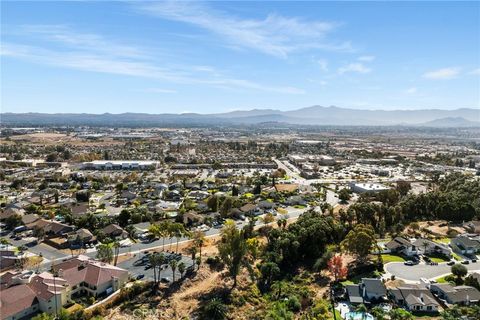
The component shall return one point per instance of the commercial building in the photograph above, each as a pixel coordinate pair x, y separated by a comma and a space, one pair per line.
120, 165
367, 187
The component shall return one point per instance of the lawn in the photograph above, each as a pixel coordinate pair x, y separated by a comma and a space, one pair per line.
457, 257
442, 279
392, 258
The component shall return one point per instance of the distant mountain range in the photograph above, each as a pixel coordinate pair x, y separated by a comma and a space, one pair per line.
315, 115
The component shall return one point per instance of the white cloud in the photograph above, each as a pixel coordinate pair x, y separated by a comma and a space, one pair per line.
354, 67
90, 59
366, 58
323, 64
411, 90
274, 35
442, 74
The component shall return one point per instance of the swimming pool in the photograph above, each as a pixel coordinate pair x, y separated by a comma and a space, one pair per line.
358, 316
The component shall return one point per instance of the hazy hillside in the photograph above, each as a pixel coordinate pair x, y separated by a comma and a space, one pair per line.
315, 115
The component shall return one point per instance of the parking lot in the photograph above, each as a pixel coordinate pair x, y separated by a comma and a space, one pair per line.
422, 270
138, 265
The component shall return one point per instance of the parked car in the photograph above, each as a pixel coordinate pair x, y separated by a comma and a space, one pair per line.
408, 263
465, 262
140, 276
450, 263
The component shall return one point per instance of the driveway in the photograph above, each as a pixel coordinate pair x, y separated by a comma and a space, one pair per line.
415, 272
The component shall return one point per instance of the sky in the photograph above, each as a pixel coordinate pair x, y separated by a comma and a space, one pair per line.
210, 57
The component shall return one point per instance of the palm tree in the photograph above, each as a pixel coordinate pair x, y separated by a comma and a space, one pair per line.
363, 310
156, 260
116, 247
179, 231
181, 268
173, 265
192, 250
199, 241
105, 252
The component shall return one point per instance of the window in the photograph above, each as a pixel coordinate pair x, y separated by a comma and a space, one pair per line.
429, 308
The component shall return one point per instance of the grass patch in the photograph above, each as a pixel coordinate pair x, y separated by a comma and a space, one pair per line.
442, 279
444, 240
457, 257
392, 258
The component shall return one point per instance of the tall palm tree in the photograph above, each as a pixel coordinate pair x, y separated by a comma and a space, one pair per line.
116, 248
199, 241
173, 265
192, 250
181, 268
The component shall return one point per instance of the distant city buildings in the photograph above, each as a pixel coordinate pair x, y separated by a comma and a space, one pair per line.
120, 165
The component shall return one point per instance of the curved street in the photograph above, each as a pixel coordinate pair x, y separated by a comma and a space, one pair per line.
415, 272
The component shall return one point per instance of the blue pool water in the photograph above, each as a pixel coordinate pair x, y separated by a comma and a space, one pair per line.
358, 316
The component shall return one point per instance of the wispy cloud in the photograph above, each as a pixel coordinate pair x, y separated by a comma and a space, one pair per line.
354, 67
411, 90
366, 58
94, 53
274, 35
443, 74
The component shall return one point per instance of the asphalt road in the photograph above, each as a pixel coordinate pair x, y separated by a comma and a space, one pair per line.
50, 253
415, 272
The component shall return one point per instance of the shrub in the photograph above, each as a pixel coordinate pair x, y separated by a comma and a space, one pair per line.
293, 304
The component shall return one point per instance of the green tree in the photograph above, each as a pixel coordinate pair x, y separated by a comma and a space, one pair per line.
105, 252
198, 238
181, 268
279, 311
360, 241
232, 249
173, 264
400, 314
44, 316
214, 309
460, 271
269, 272
212, 203
344, 195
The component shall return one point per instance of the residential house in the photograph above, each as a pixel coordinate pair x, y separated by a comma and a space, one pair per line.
414, 298
114, 231
25, 294
368, 290
428, 247
400, 245
465, 245
8, 258
11, 211
463, 295
472, 226
248, 208
94, 278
